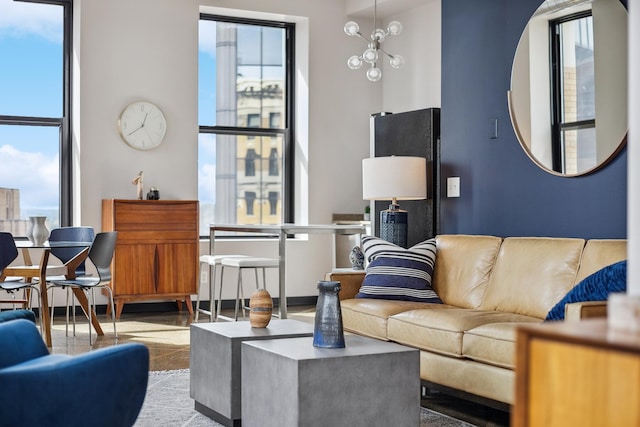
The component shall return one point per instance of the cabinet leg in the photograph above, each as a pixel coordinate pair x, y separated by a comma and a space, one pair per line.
119, 307
187, 301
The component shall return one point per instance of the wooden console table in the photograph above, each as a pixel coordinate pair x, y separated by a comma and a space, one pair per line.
576, 374
156, 256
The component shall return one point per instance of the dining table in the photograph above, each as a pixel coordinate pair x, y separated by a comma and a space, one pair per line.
31, 271
282, 231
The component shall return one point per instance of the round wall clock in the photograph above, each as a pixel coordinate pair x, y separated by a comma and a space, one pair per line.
142, 125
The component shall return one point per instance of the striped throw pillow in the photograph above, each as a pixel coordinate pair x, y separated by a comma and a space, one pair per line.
396, 273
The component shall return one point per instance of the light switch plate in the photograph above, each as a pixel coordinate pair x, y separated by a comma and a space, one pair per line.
453, 186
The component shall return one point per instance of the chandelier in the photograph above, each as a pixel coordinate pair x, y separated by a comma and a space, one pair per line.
372, 53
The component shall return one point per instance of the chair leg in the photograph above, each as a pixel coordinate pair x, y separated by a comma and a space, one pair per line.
113, 312
219, 309
238, 287
198, 291
212, 293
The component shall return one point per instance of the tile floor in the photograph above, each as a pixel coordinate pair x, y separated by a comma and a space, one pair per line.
167, 337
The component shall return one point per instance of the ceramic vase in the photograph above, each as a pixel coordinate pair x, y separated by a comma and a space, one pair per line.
260, 308
328, 331
357, 258
39, 231
29, 233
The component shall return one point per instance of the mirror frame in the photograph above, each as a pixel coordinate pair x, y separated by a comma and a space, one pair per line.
621, 145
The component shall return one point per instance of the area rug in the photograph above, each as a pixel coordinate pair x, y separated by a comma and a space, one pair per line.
168, 404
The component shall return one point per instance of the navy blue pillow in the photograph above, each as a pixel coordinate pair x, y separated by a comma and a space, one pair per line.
397, 273
597, 287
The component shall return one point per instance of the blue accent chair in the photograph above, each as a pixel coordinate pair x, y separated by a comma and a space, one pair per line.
101, 388
7, 315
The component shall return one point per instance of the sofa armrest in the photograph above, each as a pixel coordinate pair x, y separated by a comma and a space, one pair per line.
577, 311
350, 281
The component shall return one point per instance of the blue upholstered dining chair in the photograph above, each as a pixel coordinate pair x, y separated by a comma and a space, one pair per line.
8, 253
100, 388
100, 255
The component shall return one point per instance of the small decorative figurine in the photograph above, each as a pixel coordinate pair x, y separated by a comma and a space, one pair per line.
138, 182
357, 258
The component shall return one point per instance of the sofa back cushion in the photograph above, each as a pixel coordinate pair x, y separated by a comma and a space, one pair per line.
463, 266
599, 253
532, 274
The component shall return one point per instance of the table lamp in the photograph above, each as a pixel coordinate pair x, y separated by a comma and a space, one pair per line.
394, 178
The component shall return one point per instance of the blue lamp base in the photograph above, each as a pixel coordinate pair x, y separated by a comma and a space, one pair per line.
393, 226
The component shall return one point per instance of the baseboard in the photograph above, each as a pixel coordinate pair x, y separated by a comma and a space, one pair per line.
167, 306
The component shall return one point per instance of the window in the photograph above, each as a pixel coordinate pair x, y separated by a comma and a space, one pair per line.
250, 163
250, 199
35, 142
245, 155
573, 93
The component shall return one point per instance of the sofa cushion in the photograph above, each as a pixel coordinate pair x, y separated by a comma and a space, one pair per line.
369, 317
463, 267
532, 274
396, 273
442, 331
494, 343
599, 253
595, 287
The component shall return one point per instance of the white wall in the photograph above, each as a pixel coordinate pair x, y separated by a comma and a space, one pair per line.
128, 50
417, 84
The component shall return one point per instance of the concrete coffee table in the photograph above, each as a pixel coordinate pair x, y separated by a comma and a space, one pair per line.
215, 362
289, 382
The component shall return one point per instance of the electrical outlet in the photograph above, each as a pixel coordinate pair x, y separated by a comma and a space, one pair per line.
453, 186
204, 276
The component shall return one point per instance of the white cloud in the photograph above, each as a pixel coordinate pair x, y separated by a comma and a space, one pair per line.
207, 171
207, 37
22, 19
34, 174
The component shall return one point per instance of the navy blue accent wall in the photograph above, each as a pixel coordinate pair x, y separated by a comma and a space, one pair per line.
502, 192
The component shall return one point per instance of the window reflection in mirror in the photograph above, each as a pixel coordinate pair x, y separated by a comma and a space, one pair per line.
573, 93
568, 98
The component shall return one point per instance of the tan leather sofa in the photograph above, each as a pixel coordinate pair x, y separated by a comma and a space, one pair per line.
489, 286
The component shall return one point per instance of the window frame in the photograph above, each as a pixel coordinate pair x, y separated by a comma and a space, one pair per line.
558, 126
287, 132
63, 123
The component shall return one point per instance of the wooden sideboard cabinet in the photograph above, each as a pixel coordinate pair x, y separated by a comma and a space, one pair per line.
576, 374
156, 256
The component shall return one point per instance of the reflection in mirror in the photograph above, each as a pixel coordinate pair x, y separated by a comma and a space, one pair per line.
568, 97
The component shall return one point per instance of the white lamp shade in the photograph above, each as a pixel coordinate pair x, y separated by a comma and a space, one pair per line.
399, 177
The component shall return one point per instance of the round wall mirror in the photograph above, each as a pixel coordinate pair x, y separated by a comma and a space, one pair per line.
568, 97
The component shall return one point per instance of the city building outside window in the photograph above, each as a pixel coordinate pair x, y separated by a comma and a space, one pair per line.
245, 119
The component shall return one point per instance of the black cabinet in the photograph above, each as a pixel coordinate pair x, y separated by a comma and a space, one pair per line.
412, 133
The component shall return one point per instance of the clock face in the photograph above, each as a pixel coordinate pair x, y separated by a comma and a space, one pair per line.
142, 125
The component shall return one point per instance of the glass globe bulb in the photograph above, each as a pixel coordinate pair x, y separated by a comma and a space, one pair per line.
379, 35
370, 55
351, 28
354, 62
374, 74
394, 28
396, 61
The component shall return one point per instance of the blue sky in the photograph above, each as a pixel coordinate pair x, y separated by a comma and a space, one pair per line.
30, 85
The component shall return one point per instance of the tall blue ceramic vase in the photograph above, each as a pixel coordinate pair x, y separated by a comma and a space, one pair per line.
328, 331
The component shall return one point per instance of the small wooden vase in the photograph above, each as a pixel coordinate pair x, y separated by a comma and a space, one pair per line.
260, 309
